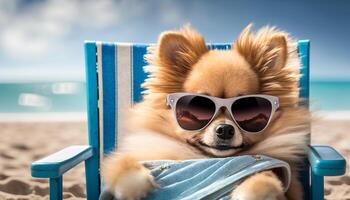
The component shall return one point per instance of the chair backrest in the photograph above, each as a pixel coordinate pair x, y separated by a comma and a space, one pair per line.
114, 73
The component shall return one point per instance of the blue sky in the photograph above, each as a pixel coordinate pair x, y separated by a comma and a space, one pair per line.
43, 40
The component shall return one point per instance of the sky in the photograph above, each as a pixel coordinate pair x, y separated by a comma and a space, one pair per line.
43, 40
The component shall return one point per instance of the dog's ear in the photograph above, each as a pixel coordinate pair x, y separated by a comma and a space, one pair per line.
180, 49
172, 59
175, 50
265, 50
277, 48
273, 56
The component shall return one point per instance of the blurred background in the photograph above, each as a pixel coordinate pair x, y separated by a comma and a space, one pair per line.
42, 72
41, 42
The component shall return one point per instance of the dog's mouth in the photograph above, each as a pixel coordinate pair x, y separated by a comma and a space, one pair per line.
219, 150
221, 147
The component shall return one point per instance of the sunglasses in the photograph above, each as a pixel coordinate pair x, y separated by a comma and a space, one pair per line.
194, 112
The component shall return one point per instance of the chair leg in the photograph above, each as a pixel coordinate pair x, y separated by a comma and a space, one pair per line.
92, 178
305, 179
317, 187
56, 188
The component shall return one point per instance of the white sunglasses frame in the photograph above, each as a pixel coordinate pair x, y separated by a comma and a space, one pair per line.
172, 99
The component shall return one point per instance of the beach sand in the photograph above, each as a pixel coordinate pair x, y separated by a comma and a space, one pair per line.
23, 142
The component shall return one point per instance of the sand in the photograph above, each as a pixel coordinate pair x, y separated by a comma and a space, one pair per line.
335, 133
23, 142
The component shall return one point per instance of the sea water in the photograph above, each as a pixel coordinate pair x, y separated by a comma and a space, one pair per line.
71, 96
42, 97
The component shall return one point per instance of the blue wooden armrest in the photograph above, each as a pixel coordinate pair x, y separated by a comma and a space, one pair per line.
326, 161
55, 165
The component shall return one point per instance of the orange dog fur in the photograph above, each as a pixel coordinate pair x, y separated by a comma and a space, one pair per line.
264, 62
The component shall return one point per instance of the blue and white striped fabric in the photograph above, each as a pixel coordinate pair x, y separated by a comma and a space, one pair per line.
207, 178
120, 74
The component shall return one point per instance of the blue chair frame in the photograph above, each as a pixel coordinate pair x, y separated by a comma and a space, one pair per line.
322, 160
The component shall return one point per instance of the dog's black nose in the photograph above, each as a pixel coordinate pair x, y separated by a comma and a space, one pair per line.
225, 131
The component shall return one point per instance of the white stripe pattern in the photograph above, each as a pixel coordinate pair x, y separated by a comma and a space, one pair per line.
100, 96
123, 85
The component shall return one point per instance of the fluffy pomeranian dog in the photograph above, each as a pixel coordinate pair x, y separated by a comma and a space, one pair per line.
259, 63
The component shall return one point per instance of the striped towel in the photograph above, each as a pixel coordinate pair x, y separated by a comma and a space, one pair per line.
207, 178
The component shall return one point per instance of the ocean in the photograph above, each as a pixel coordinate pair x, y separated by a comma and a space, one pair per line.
42, 97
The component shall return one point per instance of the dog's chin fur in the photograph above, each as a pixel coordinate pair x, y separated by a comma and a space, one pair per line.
265, 62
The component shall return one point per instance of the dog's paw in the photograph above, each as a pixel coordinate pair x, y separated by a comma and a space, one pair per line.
127, 179
134, 184
261, 186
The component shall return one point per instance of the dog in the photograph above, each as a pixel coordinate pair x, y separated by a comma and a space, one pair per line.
264, 62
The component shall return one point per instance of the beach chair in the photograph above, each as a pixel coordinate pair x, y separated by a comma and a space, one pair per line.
114, 73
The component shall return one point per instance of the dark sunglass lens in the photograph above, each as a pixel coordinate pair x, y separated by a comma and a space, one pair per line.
252, 113
194, 112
